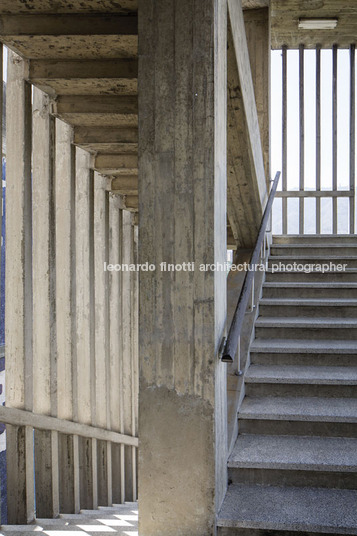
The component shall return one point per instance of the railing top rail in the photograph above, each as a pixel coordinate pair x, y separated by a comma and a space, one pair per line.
231, 345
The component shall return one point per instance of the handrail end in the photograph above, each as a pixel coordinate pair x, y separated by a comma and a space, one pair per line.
226, 358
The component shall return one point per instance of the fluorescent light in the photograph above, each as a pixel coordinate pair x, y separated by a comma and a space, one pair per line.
317, 24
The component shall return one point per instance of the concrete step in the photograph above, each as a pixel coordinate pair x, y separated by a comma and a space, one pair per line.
315, 239
312, 308
318, 290
303, 359
302, 346
296, 249
268, 426
301, 375
294, 461
300, 408
294, 452
299, 276
312, 261
278, 508
306, 328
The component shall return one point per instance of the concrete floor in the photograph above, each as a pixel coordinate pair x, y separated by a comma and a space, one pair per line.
120, 519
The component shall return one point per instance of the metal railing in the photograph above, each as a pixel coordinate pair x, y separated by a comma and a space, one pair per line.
247, 292
321, 192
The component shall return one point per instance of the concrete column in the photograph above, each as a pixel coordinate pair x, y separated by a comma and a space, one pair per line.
115, 340
182, 192
18, 311
44, 326
65, 308
85, 372
135, 352
127, 361
102, 415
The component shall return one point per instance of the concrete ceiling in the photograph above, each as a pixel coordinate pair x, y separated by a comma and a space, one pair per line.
285, 17
88, 6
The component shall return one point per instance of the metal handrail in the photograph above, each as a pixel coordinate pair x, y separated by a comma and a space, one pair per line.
232, 342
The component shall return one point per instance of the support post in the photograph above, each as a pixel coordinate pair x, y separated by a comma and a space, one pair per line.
127, 362
43, 278
182, 192
102, 416
65, 307
84, 374
18, 312
115, 353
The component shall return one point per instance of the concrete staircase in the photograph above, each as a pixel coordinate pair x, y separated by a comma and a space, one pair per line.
293, 469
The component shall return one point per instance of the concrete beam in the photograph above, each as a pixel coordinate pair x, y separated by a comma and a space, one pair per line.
68, 24
110, 164
248, 97
257, 27
125, 185
68, 69
107, 140
104, 135
247, 187
132, 203
92, 104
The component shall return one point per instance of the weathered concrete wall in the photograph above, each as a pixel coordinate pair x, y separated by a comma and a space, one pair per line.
182, 182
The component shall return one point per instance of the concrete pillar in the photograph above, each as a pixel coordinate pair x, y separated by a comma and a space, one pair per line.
127, 361
44, 325
65, 309
85, 371
115, 353
135, 352
102, 415
182, 192
18, 311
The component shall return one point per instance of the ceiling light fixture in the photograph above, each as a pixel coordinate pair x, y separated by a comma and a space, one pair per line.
317, 24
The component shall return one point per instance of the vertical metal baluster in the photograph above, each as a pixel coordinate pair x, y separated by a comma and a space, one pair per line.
352, 137
334, 137
285, 141
302, 138
318, 138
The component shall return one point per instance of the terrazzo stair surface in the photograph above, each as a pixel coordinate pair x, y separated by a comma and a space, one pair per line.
293, 469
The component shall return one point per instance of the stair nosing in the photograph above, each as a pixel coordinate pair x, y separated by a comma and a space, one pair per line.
302, 402
310, 284
306, 302
305, 445
224, 520
252, 375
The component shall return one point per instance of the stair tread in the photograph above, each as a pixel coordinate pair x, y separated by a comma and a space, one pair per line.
295, 452
305, 322
288, 508
326, 258
304, 346
317, 302
300, 409
309, 284
347, 270
324, 236
313, 246
301, 374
